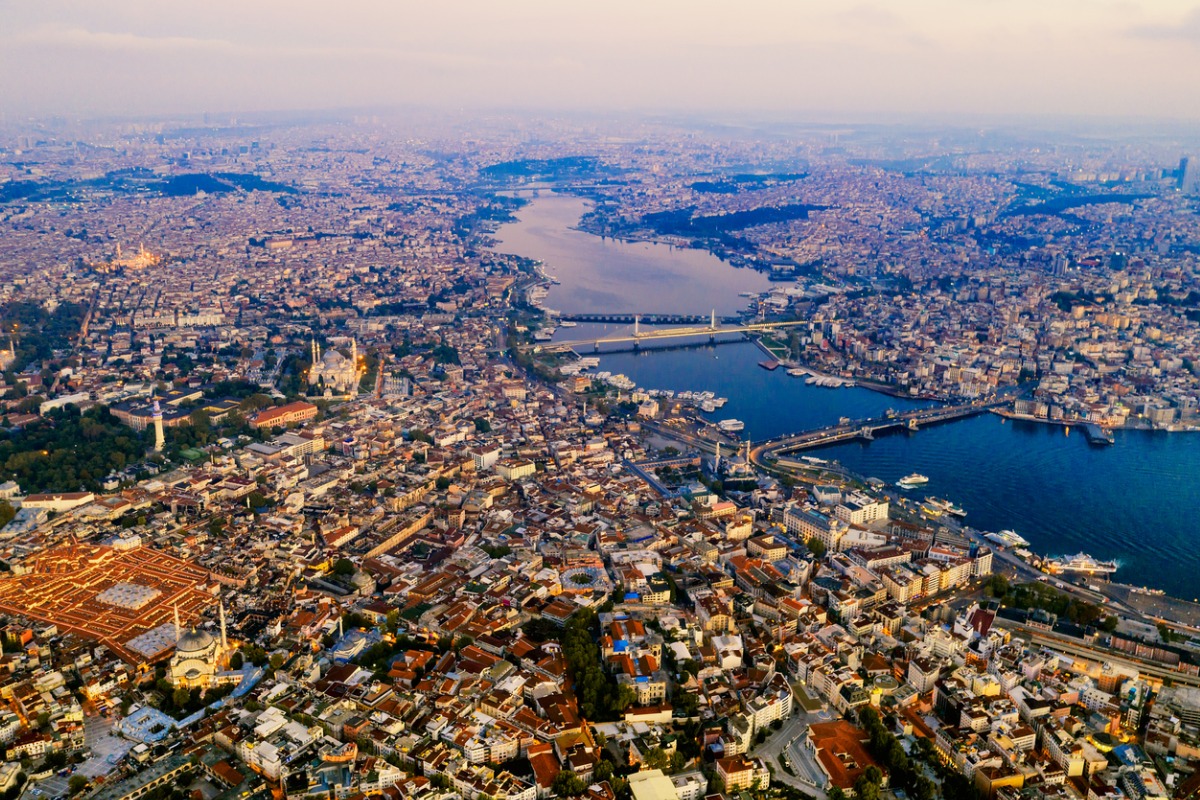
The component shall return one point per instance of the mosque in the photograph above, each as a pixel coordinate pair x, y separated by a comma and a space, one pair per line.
334, 372
200, 657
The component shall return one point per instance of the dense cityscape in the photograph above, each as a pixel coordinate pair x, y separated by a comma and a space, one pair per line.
310, 492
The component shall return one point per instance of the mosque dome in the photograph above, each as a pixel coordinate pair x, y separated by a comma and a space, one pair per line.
194, 641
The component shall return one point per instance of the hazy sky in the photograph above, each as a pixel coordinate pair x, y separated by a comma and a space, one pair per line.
836, 57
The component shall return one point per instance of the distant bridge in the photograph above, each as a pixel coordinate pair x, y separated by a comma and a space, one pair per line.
712, 330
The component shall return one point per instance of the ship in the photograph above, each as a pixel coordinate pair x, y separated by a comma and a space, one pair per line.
945, 506
912, 481
1007, 539
731, 425
566, 323
1080, 562
797, 373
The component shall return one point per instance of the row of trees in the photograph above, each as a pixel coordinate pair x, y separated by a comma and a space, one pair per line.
888, 751
599, 696
1039, 595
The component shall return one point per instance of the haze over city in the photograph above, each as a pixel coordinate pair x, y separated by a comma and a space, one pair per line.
953, 58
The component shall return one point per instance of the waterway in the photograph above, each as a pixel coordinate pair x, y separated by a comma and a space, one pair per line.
601, 275
1134, 501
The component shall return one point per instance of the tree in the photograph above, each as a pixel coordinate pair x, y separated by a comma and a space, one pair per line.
482, 425
344, 567
181, 697
999, 585
656, 758
237, 661
568, 784
255, 655
626, 696
816, 546
77, 784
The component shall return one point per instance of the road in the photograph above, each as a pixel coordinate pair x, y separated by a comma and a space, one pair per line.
788, 742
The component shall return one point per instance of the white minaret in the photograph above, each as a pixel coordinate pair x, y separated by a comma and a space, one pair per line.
178, 633
159, 439
713, 320
716, 458
224, 640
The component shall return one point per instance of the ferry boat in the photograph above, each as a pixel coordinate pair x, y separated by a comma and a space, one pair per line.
912, 481
566, 323
945, 506
797, 373
1007, 539
1080, 562
731, 425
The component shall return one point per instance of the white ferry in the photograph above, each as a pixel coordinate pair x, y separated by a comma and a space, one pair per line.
1080, 562
731, 425
912, 481
1007, 539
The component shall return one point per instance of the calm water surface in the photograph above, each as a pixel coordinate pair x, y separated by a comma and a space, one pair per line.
608, 275
1134, 501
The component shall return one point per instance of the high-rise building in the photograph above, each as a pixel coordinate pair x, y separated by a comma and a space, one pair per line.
1189, 175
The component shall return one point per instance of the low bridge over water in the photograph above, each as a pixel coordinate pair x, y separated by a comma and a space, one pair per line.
651, 319
863, 429
712, 330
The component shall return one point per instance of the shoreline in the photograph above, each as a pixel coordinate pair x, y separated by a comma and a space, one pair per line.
1077, 423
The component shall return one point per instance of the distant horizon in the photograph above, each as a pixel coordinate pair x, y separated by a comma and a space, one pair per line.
958, 59
232, 119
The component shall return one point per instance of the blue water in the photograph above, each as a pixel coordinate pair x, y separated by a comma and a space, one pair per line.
1133, 501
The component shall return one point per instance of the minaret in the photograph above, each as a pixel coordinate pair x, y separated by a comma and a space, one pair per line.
224, 640
713, 320
178, 633
159, 439
716, 458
